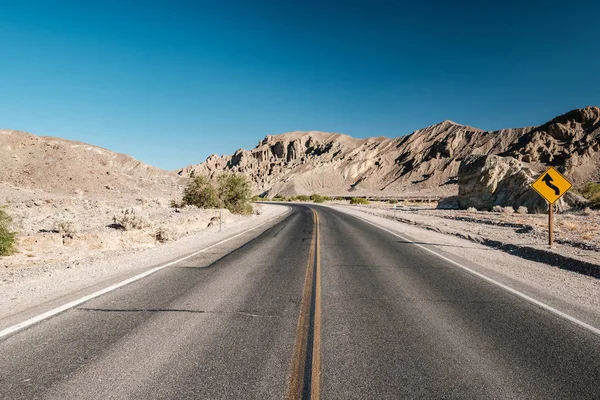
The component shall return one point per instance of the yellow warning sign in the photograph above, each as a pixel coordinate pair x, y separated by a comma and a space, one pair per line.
551, 185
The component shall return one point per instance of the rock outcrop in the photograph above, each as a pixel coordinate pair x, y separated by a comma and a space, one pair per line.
485, 181
571, 141
423, 163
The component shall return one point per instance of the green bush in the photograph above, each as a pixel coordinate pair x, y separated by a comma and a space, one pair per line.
279, 197
201, 193
393, 201
231, 192
317, 198
7, 237
303, 197
591, 191
359, 200
234, 193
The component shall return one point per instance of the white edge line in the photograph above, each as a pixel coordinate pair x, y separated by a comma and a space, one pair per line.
74, 303
490, 280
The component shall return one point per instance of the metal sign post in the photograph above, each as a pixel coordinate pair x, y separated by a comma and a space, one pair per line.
550, 224
551, 185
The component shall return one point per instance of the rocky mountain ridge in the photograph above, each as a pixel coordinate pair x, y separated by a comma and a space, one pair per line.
423, 163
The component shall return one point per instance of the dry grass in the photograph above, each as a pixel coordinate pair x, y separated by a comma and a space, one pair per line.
130, 219
66, 227
164, 234
569, 225
588, 236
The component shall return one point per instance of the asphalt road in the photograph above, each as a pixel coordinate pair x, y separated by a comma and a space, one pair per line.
320, 304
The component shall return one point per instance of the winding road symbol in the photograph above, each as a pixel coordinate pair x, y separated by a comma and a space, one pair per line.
548, 181
551, 185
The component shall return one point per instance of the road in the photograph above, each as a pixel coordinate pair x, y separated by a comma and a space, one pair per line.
317, 305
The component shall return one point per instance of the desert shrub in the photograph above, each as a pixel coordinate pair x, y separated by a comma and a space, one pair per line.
587, 236
176, 204
164, 235
293, 198
234, 193
231, 192
66, 227
327, 198
303, 197
393, 201
471, 209
201, 193
522, 210
130, 219
591, 191
359, 200
317, 198
7, 237
505, 210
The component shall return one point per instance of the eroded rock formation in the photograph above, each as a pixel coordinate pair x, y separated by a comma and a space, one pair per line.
423, 163
485, 181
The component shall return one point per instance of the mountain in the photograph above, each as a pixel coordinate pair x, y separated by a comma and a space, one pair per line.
66, 168
423, 163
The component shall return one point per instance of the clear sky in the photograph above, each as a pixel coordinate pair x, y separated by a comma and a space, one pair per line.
170, 82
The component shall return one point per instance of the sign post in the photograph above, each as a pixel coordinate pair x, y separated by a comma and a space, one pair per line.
550, 224
551, 185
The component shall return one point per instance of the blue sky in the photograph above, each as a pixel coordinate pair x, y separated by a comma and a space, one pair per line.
170, 82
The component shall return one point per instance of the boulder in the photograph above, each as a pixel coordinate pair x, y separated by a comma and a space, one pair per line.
485, 181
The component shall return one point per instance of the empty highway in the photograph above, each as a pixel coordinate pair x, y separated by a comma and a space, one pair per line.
317, 304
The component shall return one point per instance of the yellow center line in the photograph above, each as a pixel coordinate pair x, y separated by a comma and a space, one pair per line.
315, 389
298, 376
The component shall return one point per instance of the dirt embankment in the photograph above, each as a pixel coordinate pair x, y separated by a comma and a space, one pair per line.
577, 233
58, 230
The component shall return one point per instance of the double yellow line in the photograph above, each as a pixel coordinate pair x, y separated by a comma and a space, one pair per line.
305, 379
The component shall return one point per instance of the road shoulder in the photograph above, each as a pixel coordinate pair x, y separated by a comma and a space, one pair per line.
28, 293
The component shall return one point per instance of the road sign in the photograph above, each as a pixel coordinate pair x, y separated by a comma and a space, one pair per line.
551, 185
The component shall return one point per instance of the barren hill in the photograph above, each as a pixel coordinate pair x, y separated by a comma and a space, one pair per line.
422, 163
59, 167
